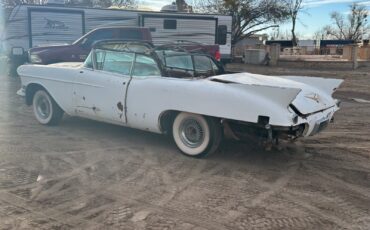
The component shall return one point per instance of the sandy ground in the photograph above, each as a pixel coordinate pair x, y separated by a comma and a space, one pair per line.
89, 175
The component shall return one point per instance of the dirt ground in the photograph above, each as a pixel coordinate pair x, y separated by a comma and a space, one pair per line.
89, 175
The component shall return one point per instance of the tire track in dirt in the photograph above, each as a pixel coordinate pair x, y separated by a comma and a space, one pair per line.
275, 223
12, 176
18, 202
343, 208
166, 211
276, 186
298, 200
328, 198
152, 207
176, 188
331, 179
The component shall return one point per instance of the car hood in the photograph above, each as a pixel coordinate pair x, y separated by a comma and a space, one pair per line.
40, 49
313, 94
70, 65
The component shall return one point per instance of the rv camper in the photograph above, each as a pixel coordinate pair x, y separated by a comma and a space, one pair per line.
36, 25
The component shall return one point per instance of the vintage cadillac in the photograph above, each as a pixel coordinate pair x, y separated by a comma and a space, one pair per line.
186, 95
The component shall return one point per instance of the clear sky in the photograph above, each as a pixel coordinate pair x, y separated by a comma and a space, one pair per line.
317, 13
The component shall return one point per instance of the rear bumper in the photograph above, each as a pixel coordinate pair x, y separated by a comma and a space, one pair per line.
317, 122
307, 126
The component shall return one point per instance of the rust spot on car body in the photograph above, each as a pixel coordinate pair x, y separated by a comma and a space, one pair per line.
120, 106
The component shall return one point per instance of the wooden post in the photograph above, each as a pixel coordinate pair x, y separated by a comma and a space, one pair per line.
347, 52
354, 56
274, 54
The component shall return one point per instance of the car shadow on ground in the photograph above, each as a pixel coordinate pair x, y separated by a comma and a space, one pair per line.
229, 150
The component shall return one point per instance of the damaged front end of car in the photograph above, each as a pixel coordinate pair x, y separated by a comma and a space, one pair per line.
262, 133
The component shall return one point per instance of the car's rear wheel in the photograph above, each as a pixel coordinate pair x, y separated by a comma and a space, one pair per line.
46, 110
196, 135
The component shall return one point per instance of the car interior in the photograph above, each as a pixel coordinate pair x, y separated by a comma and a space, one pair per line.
118, 58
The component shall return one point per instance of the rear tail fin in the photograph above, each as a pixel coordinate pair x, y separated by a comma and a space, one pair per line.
328, 85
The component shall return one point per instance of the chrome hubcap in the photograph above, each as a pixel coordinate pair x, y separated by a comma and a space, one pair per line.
43, 107
191, 133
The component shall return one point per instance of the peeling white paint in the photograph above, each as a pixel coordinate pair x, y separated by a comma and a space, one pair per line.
241, 96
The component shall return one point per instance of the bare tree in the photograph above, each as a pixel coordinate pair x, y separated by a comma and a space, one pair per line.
126, 4
278, 34
249, 16
13, 3
182, 6
274, 34
294, 7
354, 27
321, 34
84, 3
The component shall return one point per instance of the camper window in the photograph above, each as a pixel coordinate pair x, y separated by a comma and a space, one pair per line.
170, 24
221, 34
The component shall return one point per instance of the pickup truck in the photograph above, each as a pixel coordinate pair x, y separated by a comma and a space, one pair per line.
78, 51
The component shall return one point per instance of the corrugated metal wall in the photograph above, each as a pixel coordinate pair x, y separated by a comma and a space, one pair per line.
43, 33
17, 29
55, 27
197, 30
95, 18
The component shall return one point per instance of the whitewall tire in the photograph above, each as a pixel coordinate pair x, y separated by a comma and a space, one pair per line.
196, 135
45, 109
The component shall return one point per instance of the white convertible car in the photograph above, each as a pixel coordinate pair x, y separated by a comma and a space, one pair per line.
186, 95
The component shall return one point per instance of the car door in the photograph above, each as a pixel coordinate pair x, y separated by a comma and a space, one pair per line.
100, 89
179, 65
146, 75
203, 66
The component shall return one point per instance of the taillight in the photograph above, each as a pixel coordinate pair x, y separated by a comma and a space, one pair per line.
218, 55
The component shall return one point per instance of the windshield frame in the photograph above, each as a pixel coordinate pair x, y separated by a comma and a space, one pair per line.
150, 51
150, 55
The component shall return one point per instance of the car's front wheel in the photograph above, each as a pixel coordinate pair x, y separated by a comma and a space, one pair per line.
196, 135
46, 110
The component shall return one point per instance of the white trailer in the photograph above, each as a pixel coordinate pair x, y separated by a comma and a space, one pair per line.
34, 25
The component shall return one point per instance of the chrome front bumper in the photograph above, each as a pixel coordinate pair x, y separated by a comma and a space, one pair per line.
22, 92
